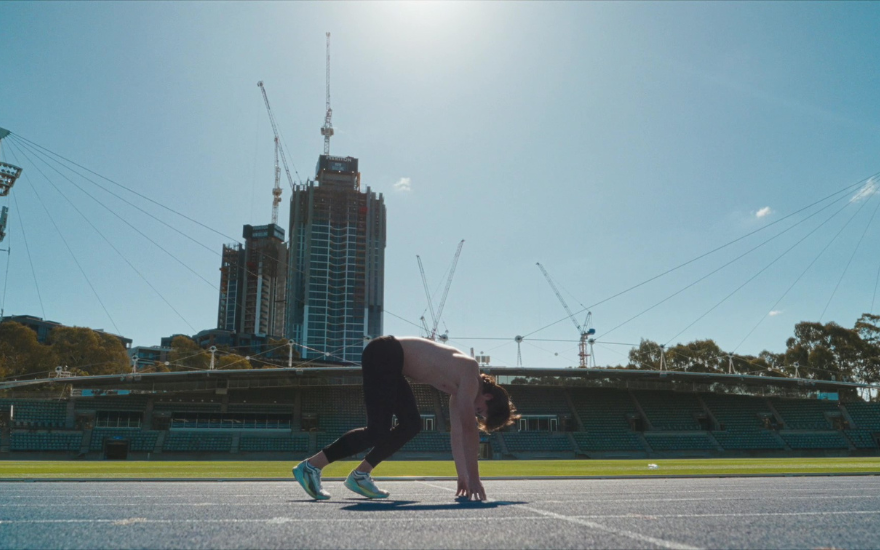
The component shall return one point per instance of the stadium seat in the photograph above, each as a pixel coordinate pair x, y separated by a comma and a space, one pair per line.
670, 411
740, 416
804, 414
138, 440
45, 441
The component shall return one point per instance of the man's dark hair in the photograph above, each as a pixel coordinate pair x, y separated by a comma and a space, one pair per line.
500, 411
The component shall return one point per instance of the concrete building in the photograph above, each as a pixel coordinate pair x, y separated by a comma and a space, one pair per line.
253, 283
336, 263
147, 356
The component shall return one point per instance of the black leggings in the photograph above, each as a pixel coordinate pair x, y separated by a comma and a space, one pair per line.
386, 393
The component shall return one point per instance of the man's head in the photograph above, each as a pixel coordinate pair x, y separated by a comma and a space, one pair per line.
493, 406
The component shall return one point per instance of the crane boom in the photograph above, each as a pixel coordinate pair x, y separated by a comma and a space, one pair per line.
279, 151
446, 290
428, 296
559, 295
327, 129
584, 332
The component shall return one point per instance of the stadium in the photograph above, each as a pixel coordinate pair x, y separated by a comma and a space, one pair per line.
289, 413
573, 421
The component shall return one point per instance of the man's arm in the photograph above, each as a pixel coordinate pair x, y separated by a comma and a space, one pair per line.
457, 448
462, 402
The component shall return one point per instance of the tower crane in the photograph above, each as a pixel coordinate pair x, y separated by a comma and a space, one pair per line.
327, 129
279, 151
585, 332
432, 334
8, 172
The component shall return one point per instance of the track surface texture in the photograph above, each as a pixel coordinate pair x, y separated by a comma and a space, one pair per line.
824, 512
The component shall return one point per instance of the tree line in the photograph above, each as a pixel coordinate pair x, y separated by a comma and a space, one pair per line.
88, 352
815, 351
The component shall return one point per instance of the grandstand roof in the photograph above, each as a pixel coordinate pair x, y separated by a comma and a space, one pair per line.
311, 375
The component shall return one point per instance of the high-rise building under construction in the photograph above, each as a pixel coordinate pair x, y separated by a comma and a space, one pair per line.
253, 283
336, 263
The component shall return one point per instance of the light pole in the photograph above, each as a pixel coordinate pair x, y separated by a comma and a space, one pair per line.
213, 350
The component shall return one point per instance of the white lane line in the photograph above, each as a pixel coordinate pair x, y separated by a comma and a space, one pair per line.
542, 515
271, 521
573, 501
729, 515
597, 526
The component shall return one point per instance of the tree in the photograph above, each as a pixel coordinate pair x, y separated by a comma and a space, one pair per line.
21, 353
832, 352
697, 356
645, 357
278, 354
89, 351
868, 327
232, 361
187, 355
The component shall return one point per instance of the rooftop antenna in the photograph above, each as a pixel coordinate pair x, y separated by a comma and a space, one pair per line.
327, 129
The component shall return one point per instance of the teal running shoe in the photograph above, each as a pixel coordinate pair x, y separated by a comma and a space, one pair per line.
362, 484
310, 479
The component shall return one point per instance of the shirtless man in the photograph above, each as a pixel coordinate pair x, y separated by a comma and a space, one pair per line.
385, 363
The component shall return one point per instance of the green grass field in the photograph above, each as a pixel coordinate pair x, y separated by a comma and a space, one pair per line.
517, 468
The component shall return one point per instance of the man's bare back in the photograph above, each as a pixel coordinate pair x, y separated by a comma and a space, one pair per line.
438, 365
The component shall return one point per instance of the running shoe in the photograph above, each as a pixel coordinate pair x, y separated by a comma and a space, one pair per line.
362, 484
310, 479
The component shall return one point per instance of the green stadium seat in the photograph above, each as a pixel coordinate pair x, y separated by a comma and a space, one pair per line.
679, 442
533, 442
605, 413
139, 440
298, 443
815, 440
740, 416
670, 411
804, 414
45, 441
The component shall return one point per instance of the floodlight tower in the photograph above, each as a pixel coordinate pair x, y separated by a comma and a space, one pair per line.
327, 129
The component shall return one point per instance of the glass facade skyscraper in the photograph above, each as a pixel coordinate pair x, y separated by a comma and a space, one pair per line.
336, 263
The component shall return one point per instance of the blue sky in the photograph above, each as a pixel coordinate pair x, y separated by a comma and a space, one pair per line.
610, 142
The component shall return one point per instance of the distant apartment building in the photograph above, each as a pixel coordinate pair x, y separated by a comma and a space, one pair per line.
336, 263
253, 283
43, 328
147, 356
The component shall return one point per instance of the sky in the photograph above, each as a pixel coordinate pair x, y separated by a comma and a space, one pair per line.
611, 142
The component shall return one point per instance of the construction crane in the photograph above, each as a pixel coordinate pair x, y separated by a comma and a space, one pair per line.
4, 213
8, 172
327, 129
279, 151
585, 332
435, 318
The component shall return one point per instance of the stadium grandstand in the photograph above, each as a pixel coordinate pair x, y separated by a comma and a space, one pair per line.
288, 413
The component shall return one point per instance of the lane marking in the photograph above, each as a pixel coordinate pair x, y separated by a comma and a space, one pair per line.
270, 521
730, 515
572, 501
597, 526
542, 515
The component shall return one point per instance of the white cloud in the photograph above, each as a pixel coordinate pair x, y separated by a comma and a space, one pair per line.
403, 185
870, 188
763, 212
775, 312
